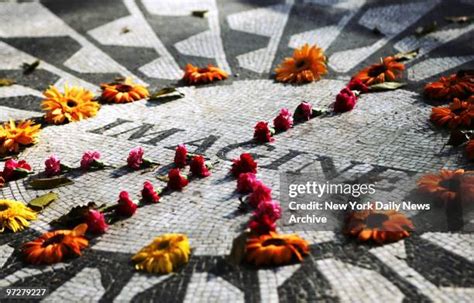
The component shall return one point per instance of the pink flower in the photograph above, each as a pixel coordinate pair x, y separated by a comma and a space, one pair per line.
198, 167
135, 158
263, 133
90, 159
357, 84
149, 194
345, 101
245, 164
176, 181
260, 193
52, 166
283, 121
180, 156
96, 222
245, 182
262, 224
270, 208
15, 170
303, 112
126, 207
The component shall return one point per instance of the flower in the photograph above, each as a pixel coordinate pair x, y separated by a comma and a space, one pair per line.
164, 255
197, 75
458, 113
358, 85
15, 215
460, 85
308, 64
448, 185
263, 133
380, 226
180, 156
96, 222
54, 246
303, 112
267, 213
74, 105
199, 167
260, 193
123, 91
52, 166
387, 70
176, 180
275, 249
13, 136
245, 164
135, 158
345, 101
245, 182
149, 194
470, 149
284, 120
14, 169
270, 208
262, 224
90, 159
126, 207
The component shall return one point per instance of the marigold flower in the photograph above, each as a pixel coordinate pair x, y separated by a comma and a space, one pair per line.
13, 136
263, 133
275, 249
15, 215
123, 91
164, 255
458, 113
448, 185
197, 75
14, 169
149, 194
52, 166
389, 69
52, 247
307, 64
358, 85
303, 112
380, 226
470, 149
95, 221
245, 182
75, 104
345, 101
135, 158
90, 159
244, 164
199, 167
460, 85
260, 193
284, 120
176, 181
126, 207
180, 156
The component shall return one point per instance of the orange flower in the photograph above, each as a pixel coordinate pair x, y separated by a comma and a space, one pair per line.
13, 135
458, 113
380, 226
275, 249
52, 247
123, 91
308, 64
460, 85
389, 69
196, 75
470, 149
448, 185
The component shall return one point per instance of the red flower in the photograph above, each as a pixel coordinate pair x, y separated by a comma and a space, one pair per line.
52, 166
245, 164
262, 225
357, 84
345, 101
263, 133
283, 121
15, 169
91, 159
149, 194
135, 158
126, 207
303, 112
180, 156
176, 180
270, 208
246, 182
261, 193
198, 167
96, 222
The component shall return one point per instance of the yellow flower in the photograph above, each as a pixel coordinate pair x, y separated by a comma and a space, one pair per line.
12, 136
73, 105
123, 91
164, 255
15, 215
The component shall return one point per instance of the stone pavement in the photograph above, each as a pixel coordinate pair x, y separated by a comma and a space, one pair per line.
386, 136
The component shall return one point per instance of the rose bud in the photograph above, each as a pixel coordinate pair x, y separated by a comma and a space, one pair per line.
126, 207
149, 194
198, 167
345, 101
303, 112
180, 156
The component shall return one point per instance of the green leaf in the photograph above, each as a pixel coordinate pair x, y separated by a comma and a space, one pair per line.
163, 178
41, 202
166, 91
29, 68
407, 55
237, 252
6, 82
424, 30
386, 86
200, 14
48, 183
75, 216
